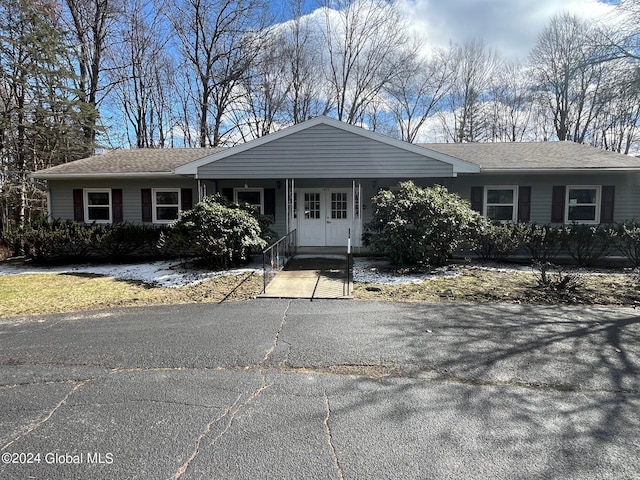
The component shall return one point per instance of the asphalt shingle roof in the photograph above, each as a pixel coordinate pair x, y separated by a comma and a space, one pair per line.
535, 155
489, 156
142, 160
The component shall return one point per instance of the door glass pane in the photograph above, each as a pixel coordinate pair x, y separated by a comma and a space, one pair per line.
338, 205
312, 205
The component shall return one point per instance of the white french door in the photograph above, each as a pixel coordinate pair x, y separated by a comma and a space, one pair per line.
324, 216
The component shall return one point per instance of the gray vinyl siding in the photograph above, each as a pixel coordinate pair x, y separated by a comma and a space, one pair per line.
370, 187
324, 152
62, 194
280, 225
627, 193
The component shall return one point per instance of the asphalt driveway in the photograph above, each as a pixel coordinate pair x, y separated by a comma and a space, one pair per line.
323, 389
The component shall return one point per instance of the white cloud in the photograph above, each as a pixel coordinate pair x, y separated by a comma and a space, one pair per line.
511, 27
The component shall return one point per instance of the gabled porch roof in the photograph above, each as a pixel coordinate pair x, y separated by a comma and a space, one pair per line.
326, 148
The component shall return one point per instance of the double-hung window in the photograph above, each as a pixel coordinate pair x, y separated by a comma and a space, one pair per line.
166, 204
97, 205
501, 203
583, 204
250, 196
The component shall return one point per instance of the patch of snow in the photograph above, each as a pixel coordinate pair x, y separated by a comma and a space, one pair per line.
379, 270
175, 274
159, 273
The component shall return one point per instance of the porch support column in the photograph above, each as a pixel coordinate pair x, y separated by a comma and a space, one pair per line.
290, 192
286, 209
356, 213
202, 190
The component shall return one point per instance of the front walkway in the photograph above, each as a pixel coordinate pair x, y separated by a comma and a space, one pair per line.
312, 277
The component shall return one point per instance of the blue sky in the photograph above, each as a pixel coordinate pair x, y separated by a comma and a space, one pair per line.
509, 26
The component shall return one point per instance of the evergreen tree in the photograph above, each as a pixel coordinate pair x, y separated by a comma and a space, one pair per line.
41, 118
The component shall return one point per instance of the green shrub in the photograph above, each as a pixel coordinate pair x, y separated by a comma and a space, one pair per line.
58, 240
588, 243
122, 241
543, 242
45, 241
220, 233
628, 241
416, 225
498, 241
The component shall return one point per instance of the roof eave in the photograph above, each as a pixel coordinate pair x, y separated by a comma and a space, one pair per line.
560, 170
74, 176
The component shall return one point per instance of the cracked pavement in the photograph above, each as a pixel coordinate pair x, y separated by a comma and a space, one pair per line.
323, 389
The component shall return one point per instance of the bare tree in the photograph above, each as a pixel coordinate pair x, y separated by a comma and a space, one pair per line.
412, 98
569, 76
510, 110
142, 73
218, 42
475, 66
306, 97
265, 90
616, 128
367, 47
622, 38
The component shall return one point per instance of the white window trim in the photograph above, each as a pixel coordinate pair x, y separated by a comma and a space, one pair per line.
257, 189
514, 217
155, 205
598, 204
85, 194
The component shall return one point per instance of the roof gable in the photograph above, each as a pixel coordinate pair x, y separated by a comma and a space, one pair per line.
326, 148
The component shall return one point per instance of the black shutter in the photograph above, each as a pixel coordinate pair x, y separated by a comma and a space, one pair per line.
524, 204
477, 198
146, 205
78, 205
557, 204
270, 202
116, 204
186, 198
607, 203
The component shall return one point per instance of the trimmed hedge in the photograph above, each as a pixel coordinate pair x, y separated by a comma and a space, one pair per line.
219, 232
59, 240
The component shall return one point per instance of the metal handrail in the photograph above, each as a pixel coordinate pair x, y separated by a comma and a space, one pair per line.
276, 256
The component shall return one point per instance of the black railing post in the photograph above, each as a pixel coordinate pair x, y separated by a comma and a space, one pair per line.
264, 272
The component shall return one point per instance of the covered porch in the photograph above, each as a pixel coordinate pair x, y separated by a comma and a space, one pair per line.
318, 177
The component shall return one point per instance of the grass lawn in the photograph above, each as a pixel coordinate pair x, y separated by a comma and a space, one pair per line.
35, 294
